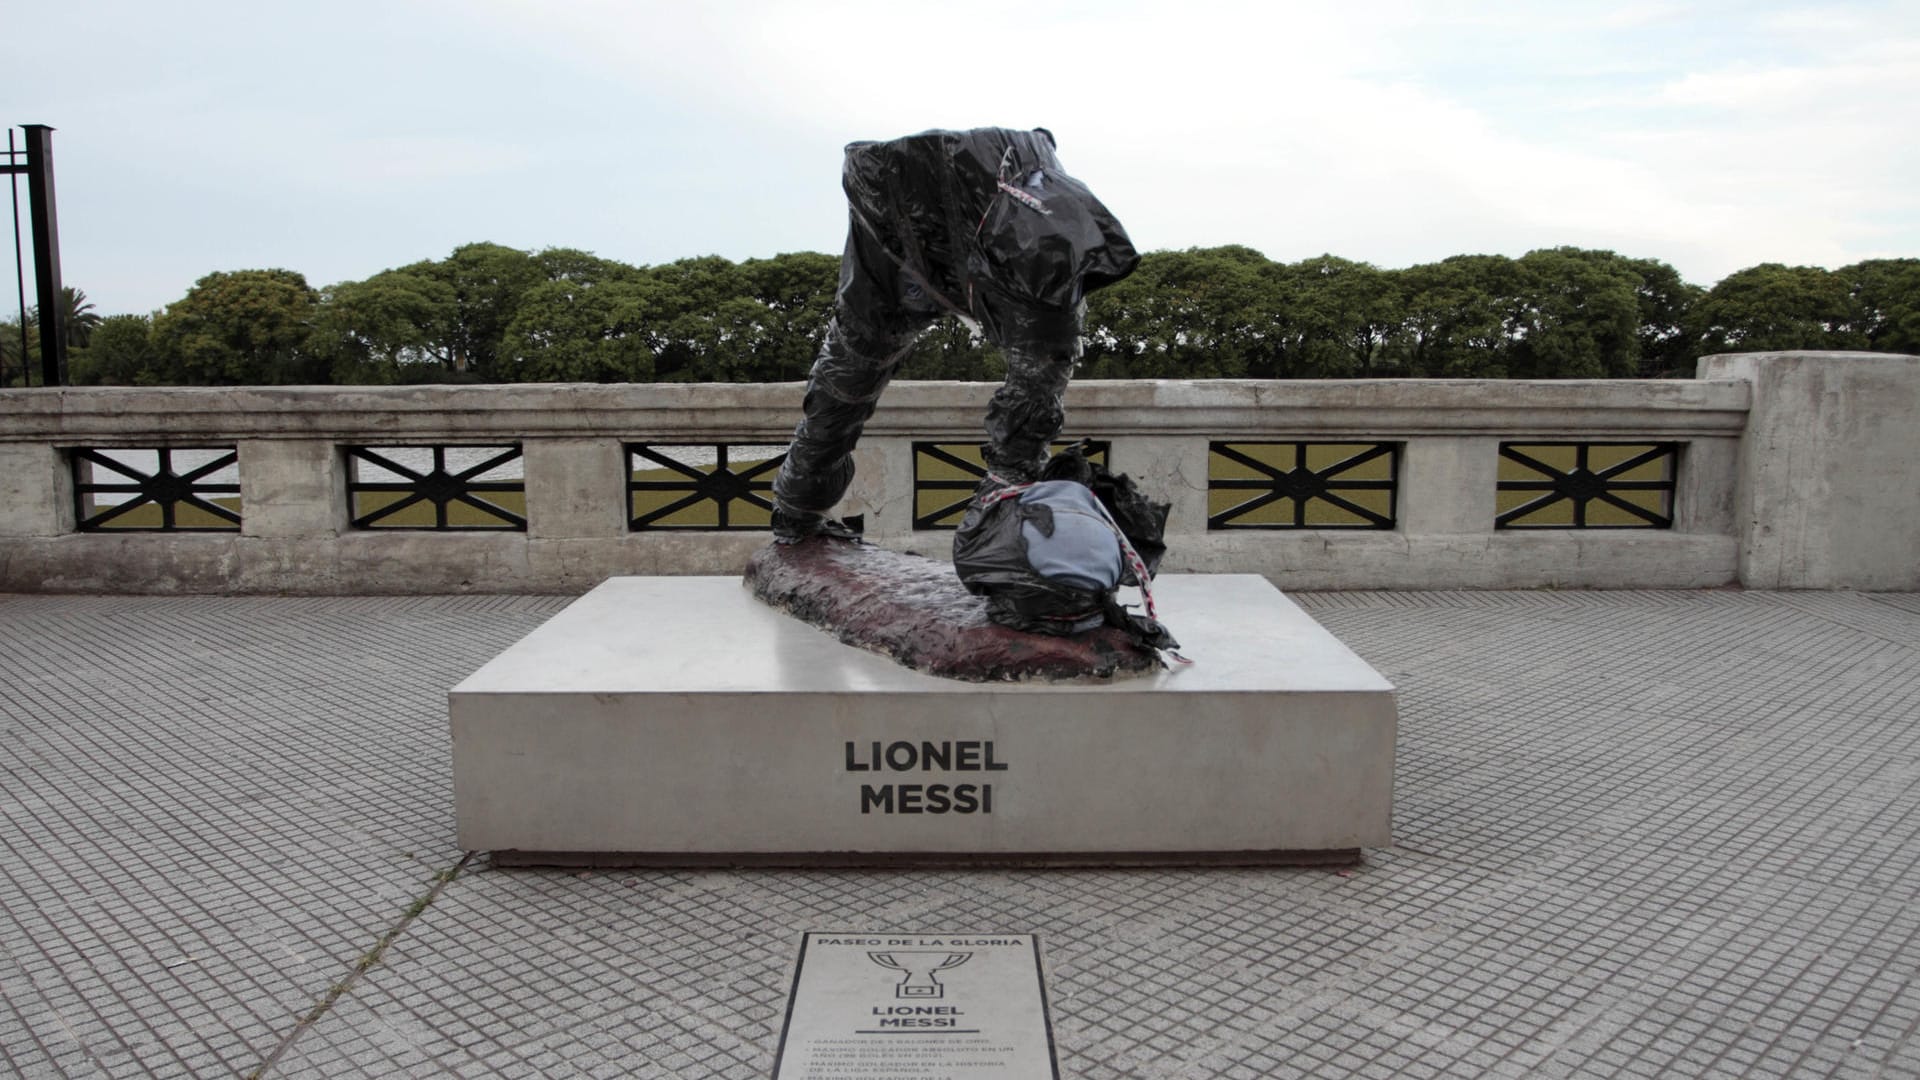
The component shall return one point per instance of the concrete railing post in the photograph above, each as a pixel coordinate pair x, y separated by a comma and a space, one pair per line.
1826, 495
882, 490
292, 488
1447, 485
576, 488
36, 494
1169, 467
1704, 494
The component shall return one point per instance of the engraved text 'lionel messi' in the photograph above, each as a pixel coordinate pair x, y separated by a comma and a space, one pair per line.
965, 755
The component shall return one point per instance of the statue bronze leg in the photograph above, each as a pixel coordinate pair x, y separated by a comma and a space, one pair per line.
875, 323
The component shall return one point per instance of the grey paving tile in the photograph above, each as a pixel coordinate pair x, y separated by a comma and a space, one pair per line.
211, 809
1639, 834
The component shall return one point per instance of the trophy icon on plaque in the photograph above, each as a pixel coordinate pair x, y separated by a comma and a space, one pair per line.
918, 982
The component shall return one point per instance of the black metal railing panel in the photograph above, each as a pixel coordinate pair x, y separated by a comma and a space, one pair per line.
701, 485
945, 476
1302, 485
156, 489
441, 486
1568, 485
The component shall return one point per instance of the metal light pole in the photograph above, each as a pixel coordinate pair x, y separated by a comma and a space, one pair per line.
19, 270
46, 255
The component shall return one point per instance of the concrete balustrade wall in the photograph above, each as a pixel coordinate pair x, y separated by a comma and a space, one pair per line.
1795, 470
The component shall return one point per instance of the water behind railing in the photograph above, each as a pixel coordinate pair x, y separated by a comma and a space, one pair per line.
142, 463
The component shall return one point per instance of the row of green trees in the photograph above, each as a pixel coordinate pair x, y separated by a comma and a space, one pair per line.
488, 313
1554, 313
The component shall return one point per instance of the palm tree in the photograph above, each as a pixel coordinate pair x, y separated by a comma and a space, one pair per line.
13, 340
80, 316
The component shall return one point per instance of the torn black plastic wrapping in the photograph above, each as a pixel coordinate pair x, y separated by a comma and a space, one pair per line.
983, 224
1143, 521
990, 557
936, 204
1027, 412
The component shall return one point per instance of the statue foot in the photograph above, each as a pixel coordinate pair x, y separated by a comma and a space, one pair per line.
794, 528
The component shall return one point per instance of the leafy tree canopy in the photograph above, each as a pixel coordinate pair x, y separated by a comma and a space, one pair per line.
1772, 306
490, 313
248, 326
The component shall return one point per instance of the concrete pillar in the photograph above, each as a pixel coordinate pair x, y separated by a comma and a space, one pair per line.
882, 488
1172, 468
36, 491
292, 488
576, 488
1827, 496
1447, 484
1704, 489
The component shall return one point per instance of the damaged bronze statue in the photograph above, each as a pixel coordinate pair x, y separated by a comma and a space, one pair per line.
983, 225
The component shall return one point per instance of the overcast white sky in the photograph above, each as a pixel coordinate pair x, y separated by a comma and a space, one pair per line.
340, 139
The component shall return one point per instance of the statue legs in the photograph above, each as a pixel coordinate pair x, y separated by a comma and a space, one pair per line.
1028, 411
876, 320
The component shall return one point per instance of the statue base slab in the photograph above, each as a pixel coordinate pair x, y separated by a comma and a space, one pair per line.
681, 721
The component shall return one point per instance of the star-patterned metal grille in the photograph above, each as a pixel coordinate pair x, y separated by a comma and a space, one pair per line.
1586, 485
1302, 485
701, 485
442, 487
156, 489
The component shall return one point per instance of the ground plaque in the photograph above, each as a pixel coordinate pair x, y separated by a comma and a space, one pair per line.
953, 1006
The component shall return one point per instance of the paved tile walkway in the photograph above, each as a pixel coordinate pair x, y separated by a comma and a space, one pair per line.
1640, 834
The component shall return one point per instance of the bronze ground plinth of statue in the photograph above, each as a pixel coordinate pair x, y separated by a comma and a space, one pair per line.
914, 610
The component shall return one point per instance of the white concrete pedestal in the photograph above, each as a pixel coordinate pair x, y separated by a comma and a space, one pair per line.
678, 720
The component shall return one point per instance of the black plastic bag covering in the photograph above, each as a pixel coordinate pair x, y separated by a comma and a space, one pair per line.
989, 222
990, 557
1142, 520
984, 224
